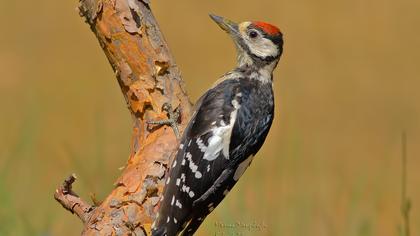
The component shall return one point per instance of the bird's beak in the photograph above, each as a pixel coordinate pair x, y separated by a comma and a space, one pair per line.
227, 25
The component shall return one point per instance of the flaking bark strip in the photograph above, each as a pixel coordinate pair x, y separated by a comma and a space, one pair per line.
128, 11
135, 11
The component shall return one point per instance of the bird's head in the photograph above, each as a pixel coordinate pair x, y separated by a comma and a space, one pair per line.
258, 43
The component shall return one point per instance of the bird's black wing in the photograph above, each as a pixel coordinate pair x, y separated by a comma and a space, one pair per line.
251, 126
202, 156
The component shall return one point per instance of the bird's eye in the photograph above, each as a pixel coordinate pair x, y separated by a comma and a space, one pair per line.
253, 34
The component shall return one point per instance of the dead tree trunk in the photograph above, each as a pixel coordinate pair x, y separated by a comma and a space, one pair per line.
149, 79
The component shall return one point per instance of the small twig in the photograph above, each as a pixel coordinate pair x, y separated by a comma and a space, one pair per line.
71, 201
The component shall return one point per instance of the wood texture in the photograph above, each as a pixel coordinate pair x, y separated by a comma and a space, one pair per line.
149, 78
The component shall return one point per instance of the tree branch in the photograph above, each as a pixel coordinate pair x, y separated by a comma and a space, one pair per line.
149, 78
71, 201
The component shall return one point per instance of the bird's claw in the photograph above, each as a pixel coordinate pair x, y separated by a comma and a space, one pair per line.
172, 121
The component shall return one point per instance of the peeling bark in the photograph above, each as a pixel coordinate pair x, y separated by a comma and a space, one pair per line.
149, 78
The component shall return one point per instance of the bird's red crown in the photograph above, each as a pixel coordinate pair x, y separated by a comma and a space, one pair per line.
268, 28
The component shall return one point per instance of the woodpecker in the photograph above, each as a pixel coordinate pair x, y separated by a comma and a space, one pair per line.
229, 125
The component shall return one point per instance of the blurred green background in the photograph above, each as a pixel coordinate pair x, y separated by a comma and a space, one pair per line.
346, 87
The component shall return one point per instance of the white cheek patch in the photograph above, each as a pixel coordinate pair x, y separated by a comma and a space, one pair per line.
262, 47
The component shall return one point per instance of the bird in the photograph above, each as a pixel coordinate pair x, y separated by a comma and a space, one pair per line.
229, 125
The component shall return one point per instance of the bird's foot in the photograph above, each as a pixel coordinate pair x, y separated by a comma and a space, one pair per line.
173, 116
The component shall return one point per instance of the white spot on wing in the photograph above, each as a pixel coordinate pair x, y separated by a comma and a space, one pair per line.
178, 181
185, 188
201, 145
178, 204
228, 134
173, 200
192, 166
174, 164
215, 144
220, 139
168, 180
